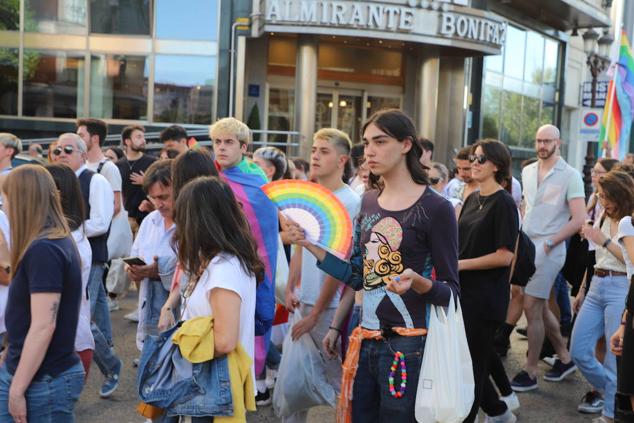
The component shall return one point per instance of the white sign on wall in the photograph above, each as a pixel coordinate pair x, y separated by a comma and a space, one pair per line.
441, 22
590, 128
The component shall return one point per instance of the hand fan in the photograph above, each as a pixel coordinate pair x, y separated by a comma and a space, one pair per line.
316, 210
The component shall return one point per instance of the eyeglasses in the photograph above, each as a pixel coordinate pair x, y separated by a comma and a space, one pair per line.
597, 172
68, 149
481, 159
544, 141
434, 180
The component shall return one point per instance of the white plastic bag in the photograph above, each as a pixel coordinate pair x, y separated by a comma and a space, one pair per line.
445, 386
117, 280
281, 273
301, 379
120, 237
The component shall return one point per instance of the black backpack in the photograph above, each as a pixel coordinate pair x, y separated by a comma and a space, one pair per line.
523, 265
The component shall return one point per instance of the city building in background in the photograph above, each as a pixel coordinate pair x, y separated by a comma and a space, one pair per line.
463, 69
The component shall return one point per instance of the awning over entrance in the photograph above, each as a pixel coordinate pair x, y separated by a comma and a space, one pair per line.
563, 15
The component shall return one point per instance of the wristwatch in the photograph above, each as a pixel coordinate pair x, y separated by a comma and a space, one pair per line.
549, 243
606, 243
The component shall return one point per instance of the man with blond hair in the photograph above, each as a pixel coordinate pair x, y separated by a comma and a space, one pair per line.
319, 294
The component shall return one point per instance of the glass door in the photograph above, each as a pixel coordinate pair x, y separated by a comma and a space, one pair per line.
341, 109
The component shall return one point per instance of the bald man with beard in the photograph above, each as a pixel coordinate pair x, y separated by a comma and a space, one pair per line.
555, 210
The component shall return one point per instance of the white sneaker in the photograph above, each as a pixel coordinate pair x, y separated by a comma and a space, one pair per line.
133, 317
512, 401
507, 417
113, 304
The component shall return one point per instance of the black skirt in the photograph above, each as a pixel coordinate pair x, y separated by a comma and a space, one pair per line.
625, 376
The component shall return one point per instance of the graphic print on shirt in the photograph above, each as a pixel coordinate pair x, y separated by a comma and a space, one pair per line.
382, 260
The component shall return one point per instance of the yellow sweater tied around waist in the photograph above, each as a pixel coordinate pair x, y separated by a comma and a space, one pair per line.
195, 340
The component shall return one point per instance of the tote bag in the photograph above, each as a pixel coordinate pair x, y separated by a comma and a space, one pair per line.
445, 386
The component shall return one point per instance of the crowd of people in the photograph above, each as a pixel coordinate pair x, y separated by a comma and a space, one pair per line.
218, 269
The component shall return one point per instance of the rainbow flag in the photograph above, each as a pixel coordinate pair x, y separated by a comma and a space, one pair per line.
619, 105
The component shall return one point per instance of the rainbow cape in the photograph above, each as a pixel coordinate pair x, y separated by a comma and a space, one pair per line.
619, 105
262, 215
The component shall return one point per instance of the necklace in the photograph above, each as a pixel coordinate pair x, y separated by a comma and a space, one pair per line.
399, 358
481, 204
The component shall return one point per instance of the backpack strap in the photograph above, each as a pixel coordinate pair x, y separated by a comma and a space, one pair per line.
100, 167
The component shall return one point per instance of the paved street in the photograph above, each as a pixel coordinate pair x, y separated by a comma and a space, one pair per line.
554, 402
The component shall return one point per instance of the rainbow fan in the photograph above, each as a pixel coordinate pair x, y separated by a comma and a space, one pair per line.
317, 210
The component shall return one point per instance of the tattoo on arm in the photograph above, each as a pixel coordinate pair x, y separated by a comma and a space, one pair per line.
54, 310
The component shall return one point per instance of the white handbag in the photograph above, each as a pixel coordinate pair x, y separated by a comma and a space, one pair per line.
120, 237
446, 388
281, 273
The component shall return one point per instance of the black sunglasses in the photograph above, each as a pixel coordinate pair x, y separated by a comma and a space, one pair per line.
68, 149
434, 180
480, 159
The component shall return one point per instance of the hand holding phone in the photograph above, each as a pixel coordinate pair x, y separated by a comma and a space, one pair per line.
134, 261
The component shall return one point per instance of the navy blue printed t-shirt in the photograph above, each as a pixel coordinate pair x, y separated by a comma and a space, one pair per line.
48, 266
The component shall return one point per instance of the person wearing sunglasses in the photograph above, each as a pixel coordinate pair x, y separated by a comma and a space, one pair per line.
439, 178
555, 210
99, 204
487, 230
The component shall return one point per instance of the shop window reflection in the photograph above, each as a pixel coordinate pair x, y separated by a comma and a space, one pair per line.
534, 58
53, 84
200, 16
491, 112
184, 88
121, 17
511, 122
118, 87
9, 15
376, 103
8, 81
515, 46
281, 112
530, 120
55, 16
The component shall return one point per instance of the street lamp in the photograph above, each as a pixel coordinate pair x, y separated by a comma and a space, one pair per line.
597, 49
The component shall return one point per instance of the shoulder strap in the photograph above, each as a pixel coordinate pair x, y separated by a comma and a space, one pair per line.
514, 261
100, 167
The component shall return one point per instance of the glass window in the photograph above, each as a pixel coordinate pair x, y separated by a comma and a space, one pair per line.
184, 88
122, 17
336, 57
530, 120
10, 15
534, 58
495, 63
8, 81
281, 112
551, 62
53, 84
515, 46
55, 16
323, 111
376, 103
349, 116
118, 86
491, 112
511, 123
200, 16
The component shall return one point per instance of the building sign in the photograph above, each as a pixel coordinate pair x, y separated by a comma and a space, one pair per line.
601, 94
590, 128
441, 22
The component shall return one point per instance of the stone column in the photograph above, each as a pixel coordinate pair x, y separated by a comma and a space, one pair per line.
306, 91
428, 76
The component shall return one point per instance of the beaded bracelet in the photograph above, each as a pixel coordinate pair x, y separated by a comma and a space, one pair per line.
399, 358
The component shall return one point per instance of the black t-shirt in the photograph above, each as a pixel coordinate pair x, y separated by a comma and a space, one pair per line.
133, 195
48, 266
486, 224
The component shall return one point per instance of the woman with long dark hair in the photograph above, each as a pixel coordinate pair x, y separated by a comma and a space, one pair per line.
42, 376
218, 252
487, 228
404, 229
73, 208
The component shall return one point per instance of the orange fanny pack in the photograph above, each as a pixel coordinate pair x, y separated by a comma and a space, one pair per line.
351, 363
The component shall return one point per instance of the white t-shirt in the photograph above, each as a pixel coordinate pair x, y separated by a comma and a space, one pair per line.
84, 339
4, 290
110, 171
626, 229
225, 271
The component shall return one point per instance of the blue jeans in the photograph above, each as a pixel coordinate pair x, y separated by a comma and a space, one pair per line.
103, 355
48, 399
562, 295
600, 315
98, 304
372, 401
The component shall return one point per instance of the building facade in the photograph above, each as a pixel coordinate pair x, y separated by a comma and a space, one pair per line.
463, 69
